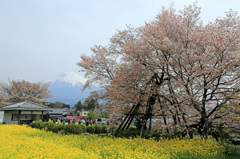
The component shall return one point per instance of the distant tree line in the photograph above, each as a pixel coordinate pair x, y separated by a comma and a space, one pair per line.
56, 104
92, 106
88, 105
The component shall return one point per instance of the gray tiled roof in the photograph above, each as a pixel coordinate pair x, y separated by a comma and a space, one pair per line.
25, 106
59, 112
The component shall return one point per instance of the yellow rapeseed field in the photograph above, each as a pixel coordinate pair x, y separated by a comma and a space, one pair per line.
24, 142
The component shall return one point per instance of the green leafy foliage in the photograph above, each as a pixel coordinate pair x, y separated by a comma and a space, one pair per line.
83, 127
92, 115
35, 124
42, 125
57, 128
72, 129
98, 128
78, 107
230, 149
104, 128
133, 133
132, 127
91, 129
49, 126
91, 104
113, 128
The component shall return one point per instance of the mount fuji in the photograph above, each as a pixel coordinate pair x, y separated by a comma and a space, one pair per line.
67, 88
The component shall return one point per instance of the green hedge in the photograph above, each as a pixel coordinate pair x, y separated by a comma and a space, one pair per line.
98, 129
57, 128
72, 129
42, 125
132, 127
91, 129
35, 124
104, 128
49, 126
84, 128
113, 128
133, 133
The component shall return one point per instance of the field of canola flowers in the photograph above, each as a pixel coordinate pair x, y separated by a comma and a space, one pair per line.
24, 142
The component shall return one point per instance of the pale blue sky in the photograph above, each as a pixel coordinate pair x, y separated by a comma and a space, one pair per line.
42, 38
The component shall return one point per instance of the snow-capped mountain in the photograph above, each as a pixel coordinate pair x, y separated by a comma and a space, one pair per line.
67, 77
67, 88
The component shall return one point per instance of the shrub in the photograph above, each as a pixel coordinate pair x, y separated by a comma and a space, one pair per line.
156, 134
32, 124
83, 127
39, 124
132, 127
174, 131
229, 148
35, 124
42, 125
98, 128
104, 128
113, 128
72, 129
49, 126
133, 133
128, 133
57, 128
91, 129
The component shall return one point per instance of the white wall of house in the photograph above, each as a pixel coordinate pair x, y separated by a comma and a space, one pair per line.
8, 117
1, 116
26, 112
83, 113
37, 112
11, 117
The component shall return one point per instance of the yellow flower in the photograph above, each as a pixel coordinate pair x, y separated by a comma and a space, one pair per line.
24, 142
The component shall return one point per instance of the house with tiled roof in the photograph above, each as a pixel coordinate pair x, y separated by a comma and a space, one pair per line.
55, 113
23, 112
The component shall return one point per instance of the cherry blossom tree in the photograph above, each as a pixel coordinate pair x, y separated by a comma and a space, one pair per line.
17, 91
174, 65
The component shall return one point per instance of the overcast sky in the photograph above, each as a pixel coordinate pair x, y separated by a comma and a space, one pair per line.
42, 38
